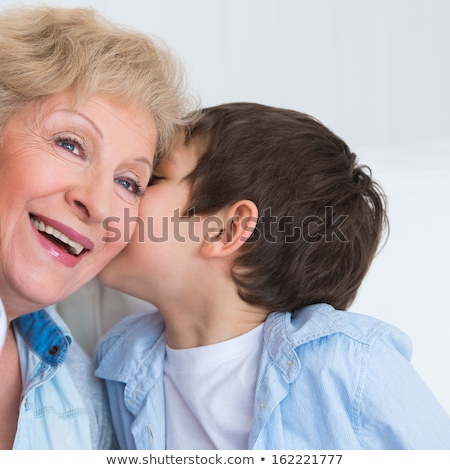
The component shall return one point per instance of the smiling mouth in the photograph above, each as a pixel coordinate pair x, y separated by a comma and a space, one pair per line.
58, 238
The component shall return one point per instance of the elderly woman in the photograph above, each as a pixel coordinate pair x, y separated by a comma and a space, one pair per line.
83, 106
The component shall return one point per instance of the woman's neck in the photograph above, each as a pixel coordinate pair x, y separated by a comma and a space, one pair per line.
10, 391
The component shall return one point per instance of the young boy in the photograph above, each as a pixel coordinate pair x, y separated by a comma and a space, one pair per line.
255, 237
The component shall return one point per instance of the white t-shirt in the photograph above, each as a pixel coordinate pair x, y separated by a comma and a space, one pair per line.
210, 393
3, 325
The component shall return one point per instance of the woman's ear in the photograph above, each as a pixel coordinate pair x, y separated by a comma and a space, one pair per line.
229, 229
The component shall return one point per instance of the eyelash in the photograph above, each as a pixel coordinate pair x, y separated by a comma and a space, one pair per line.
60, 140
137, 190
153, 179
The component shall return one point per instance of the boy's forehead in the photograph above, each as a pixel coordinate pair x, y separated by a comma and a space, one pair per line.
191, 150
183, 157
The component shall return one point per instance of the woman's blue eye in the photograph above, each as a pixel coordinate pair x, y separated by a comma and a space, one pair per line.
126, 185
71, 146
131, 186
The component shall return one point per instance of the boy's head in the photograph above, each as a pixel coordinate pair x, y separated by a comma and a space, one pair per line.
313, 224
321, 216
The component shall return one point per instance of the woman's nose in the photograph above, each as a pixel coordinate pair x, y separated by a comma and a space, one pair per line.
92, 197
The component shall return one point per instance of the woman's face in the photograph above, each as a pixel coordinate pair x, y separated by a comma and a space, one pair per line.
64, 171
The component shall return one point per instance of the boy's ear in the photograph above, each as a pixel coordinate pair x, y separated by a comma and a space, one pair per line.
229, 229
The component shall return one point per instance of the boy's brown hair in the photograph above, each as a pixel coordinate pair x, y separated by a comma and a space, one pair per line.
321, 215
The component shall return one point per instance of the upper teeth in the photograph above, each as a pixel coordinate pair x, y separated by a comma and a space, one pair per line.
74, 247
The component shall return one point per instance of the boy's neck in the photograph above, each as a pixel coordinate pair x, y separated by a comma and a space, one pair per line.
206, 319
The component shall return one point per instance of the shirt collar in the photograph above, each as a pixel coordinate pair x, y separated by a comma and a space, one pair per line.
45, 334
285, 331
135, 344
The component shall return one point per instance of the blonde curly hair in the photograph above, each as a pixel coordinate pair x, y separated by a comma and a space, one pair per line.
45, 50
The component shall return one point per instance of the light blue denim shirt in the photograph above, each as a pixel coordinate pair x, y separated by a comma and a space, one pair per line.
63, 405
327, 379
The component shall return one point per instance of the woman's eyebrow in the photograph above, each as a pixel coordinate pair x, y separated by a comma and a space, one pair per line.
145, 160
96, 128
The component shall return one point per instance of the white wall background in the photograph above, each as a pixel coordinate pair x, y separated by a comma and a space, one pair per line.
377, 72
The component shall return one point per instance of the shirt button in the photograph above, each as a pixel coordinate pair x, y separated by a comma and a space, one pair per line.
53, 350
